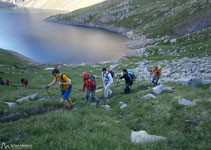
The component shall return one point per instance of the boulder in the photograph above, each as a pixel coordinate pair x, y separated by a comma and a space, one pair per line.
186, 102
143, 137
49, 68
150, 96
11, 105
123, 106
27, 98
99, 90
93, 104
206, 76
159, 89
206, 82
41, 99
107, 107
169, 88
193, 82
114, 66
173, 40
136, 44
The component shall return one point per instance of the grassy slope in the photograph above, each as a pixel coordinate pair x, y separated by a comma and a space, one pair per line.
157, 18
92, 127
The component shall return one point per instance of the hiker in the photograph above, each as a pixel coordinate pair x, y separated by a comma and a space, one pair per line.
65, 85
90, 85
157, 74
107, 82
24, 82
128, 80
7, 82
1, 81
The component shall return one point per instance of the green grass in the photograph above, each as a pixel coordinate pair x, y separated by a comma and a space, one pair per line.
158, 18
92, 127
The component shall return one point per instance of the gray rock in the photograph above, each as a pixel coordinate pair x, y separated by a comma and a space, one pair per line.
41, 99
107, 107
150, 96
121, 102
144, 137
93, 104
49, 68
206, 76
123, 106
173, 40
206, 82
159, 89
193, 82
99, 90
169, 88
114, 66
186, 102
136, 44
27, 98
11, 105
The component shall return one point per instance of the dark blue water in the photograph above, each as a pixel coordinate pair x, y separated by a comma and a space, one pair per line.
26, 32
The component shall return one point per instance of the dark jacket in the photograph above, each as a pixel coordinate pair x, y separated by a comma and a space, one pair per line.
128, 78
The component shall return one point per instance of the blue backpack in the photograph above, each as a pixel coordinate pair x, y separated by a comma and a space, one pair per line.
132, 76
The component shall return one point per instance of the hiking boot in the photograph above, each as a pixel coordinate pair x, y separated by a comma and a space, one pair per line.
111, 95
105, 99
98, 102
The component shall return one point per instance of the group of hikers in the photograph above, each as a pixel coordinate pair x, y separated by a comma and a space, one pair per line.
7, 82
24, 82
89, 84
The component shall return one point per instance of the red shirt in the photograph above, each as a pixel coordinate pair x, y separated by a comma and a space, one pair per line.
88, 84
25, 82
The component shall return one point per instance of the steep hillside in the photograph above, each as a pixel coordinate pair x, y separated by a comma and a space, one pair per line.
42, 124
153, 18
66, 5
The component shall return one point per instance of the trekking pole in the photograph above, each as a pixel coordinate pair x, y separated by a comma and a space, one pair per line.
48, 93
118, 75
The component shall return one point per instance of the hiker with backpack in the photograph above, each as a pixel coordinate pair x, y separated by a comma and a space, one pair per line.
24, 82
65, 85
90, 84
7, 82
107, 77
1, 81
157, 74
128, 80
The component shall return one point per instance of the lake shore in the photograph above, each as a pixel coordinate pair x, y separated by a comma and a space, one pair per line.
30, 61
137, 43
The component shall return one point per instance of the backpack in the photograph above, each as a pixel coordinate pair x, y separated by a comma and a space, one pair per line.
22, 80
160, 68
1, 82
92, 78
111, 72
132, 76
68, 78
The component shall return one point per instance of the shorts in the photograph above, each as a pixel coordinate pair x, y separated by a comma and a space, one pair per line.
66, 94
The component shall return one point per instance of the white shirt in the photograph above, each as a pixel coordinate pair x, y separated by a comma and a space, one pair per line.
107, 78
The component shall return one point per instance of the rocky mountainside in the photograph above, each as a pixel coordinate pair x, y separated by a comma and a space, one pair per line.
153, 18
66, 5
